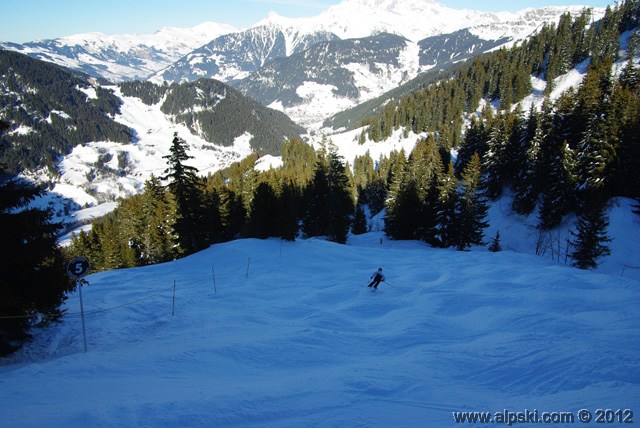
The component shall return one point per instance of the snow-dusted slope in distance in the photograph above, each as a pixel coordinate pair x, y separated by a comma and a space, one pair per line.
125, 56
236, 55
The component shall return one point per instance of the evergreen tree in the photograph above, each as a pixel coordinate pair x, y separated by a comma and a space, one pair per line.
596, 147
211, 221
475, 139
527, 184
316, 195
376, 192
264, 212
403, 212
186, 189
329, 203
582, 36
157, 221
289, 201
606, 43
359, 225
563, 52
591, 238
232, 214
402, 220
472, 207
558, 162
362, 170
558, 197
495, 159
33, 284
630, 76
447, 202
627, 179
495, 243
425, 169
340, 201
298, 160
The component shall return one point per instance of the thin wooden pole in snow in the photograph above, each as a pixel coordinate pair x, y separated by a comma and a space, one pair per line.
173, 305
84, 332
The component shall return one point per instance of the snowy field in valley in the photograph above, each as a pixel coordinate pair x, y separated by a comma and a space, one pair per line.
289, 335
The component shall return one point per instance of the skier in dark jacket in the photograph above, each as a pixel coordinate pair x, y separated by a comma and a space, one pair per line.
377, 277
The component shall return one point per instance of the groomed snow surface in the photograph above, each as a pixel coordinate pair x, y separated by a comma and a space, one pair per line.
267, 333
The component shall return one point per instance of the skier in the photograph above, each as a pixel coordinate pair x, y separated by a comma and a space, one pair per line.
377, 277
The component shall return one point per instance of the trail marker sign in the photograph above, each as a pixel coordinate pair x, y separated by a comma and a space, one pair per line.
78, 267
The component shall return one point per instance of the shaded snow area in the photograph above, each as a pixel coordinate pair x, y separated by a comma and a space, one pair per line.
520, 234
278, 334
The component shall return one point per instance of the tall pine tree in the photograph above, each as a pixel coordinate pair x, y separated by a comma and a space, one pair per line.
359, 225
447, 203
186, 188
329, 200
558, 197
158, 217
33, 283
590, 243
341, 204
264, 212
425, 169
472, 207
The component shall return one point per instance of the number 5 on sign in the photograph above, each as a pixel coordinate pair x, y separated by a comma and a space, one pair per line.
78, 267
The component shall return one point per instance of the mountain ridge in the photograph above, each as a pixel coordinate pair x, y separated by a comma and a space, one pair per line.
121, 56
134, 57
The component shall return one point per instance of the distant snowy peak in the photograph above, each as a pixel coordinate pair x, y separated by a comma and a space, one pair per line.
122, 57
298, 33
413, 19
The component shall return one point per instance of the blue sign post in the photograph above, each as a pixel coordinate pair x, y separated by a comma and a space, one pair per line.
76, 269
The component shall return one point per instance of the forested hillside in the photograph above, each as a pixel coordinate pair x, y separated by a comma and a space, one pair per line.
51, 110
572, 156
217, 112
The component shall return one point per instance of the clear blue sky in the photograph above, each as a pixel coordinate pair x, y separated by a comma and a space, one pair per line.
25, 20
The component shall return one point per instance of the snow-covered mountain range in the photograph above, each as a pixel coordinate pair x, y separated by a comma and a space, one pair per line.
316, 88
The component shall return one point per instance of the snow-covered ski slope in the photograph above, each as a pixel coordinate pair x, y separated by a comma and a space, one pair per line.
291, 337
